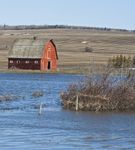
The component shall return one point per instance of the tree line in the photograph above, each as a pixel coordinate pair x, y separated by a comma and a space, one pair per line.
121, 61
23, 27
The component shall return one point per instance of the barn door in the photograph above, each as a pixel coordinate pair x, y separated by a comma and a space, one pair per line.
49, 65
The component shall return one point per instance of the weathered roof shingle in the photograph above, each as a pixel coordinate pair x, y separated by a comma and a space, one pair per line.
27, 48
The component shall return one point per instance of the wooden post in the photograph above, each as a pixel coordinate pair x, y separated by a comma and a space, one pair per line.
40, 109
76, 105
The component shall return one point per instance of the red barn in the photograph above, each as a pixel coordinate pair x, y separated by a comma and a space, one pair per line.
33, 54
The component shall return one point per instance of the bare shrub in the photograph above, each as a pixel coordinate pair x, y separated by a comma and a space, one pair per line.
102, 92
89, 49
37, 94
7, 98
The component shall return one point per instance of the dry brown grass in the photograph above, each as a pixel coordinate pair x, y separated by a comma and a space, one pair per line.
71, 51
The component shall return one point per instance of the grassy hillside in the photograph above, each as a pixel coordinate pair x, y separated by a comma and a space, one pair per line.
71, 49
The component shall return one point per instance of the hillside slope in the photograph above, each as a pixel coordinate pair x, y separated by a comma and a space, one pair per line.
71, 46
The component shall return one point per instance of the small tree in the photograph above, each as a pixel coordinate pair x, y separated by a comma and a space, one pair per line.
133, 61
120, 61
88, 49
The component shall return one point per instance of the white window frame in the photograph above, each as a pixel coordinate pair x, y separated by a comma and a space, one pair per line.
27, 62
36, 62
11, 61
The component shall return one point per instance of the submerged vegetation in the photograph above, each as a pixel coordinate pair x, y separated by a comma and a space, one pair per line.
37, 94
8, 97
101, 92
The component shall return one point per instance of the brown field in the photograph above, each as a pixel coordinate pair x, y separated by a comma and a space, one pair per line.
71, 50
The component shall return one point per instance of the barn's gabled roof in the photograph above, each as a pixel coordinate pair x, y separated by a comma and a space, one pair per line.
55, 48
27, 48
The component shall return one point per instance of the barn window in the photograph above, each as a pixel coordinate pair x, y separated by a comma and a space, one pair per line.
11, 61
36, 62
18, 61
49, 48
48, 54
27, 62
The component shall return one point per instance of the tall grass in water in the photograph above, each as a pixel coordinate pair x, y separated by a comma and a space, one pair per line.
101, 92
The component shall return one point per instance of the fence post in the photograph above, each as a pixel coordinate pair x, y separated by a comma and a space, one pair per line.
40, 109
76, 105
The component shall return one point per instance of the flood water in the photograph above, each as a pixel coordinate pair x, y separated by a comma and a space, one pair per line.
21, 126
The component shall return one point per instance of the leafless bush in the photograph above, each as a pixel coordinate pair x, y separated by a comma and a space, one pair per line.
7, 98
88, 49
102, 93
37, 94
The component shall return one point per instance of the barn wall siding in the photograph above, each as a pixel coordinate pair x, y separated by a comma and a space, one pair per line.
31, 64
49, 55
48, 60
